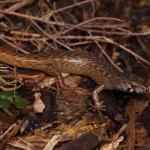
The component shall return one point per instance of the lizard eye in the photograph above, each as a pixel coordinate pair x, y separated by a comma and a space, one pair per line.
131, 90
148, 89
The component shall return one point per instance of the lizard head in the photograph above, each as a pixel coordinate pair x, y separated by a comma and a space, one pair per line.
135, 87
126, 85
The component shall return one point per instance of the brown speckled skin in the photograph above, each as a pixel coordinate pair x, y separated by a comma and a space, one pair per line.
75, 63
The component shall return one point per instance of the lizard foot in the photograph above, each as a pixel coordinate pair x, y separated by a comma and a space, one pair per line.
98, 104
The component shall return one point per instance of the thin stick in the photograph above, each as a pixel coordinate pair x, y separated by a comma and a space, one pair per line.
127, 50
105, 40
71, 6
23, 38
17, 6
51, 37
106, 55
14, 46
32, 18
87, 21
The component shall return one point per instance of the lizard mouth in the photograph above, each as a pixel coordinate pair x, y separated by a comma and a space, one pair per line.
131, 90
134, 87
138, 89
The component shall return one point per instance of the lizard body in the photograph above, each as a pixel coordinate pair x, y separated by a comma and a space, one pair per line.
80, 63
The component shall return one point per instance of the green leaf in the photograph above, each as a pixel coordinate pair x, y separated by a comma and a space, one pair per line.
20, 102
7, 95
7, 98
5, 105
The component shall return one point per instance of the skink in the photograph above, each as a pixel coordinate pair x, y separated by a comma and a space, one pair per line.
81, 63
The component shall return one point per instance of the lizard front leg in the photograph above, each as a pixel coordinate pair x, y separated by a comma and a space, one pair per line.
98, 104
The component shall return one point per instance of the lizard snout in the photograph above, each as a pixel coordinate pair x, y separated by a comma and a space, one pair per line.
138, 88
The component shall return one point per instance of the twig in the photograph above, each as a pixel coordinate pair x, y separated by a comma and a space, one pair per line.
80, 43
14, 46
33, 18
87, 21
27, 34
127, 50
65, 8
106, 55
108, 32
105, 40
131, 125
121, 130
9, 1
118, 32
80, 37
52, 37
17, 6
106, 25
71, 6
24, 39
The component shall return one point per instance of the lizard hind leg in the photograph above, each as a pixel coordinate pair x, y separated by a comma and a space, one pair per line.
58, 77
98, 103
